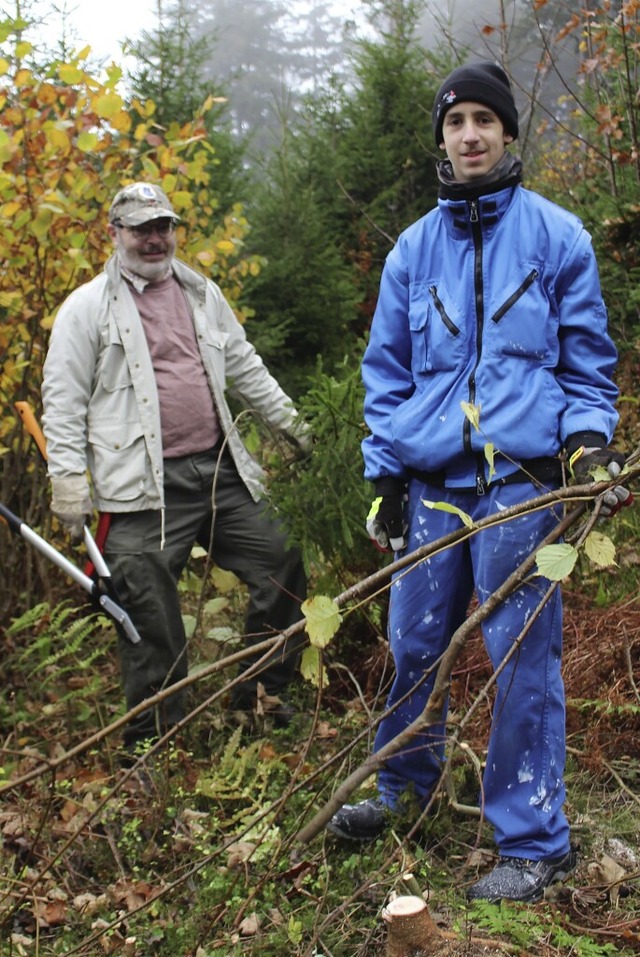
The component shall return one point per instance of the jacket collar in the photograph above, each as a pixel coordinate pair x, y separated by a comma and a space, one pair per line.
486, 209
506, 172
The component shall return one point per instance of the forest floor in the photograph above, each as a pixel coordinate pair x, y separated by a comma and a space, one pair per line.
198, 856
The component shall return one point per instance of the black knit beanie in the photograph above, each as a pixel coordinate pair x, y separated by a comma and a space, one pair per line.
485, 83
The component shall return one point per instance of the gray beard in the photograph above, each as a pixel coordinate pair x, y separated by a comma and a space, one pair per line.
152, 272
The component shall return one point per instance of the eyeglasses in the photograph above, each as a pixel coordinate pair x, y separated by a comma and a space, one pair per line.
160, 226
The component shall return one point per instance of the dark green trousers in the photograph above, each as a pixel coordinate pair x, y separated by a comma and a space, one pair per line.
246, 540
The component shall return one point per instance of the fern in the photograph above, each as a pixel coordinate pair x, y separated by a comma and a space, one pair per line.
61, 652
240, 777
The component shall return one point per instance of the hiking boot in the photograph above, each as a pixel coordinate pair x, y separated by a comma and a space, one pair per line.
361, 822
517, 879
283, 714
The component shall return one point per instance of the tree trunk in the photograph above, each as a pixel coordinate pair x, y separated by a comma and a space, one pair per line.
411, 930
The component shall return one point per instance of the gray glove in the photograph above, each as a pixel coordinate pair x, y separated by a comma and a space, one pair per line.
584, 461
299, 435
71, 503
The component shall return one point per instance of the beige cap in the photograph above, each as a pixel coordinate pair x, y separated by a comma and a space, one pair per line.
140, 203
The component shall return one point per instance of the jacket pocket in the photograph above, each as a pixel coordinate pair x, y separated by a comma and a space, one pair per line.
523, 322
215, 342
119, 458
113, 369
435, 336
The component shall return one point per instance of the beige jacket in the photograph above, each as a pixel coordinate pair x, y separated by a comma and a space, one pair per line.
101, 409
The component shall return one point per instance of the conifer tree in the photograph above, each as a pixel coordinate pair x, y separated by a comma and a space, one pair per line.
346, 180
169, 70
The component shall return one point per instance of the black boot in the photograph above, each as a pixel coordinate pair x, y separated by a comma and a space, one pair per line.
361, 822
518, 879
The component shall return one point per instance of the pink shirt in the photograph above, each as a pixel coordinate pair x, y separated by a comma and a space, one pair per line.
187, 413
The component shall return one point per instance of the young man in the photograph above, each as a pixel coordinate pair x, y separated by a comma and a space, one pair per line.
134, 393
492, 299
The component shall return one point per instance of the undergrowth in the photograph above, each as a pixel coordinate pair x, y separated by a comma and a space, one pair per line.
198, 856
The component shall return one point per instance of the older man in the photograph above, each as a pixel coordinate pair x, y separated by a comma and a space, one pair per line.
137, 423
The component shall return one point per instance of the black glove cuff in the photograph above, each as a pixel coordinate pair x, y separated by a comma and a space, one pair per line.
590, 440
389, 485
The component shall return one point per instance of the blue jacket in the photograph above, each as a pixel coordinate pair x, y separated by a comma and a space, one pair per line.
495, 302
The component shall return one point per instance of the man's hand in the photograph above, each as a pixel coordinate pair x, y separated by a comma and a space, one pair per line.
74, 524
71, 503
300, 436
615, 499
386, 526
584, 465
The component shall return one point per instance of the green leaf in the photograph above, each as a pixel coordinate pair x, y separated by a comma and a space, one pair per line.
87, 142
600, 549
215, 605
224, 635
472, 412
223, 580
311, 667
294, 931
556, 561
189, 622
322, 619
464, 517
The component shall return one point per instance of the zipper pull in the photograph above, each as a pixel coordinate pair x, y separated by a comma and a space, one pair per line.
473, 211
481, 485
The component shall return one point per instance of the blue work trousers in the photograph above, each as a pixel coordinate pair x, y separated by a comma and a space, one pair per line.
523, 789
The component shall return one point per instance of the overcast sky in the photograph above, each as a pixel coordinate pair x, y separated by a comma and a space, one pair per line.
103, 24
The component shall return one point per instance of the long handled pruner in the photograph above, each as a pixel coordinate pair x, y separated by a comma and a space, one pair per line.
102, 590
106, 603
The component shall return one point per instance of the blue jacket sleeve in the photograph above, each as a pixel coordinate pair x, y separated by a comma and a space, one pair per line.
587, 353
386, 370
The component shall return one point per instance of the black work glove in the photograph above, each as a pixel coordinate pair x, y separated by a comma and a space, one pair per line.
386, 526
585, 461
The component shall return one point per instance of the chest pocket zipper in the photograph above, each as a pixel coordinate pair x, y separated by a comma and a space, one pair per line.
451, 326
513, 298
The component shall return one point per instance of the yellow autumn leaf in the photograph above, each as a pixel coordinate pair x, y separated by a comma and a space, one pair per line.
312, 669
23, 49
87, 142
472, 412
181, 199
107, 105
70, 74
121, 122
6, 147
453, 509
225, 246
489, 454
4, 66
10, 209
58, 138
322, 618
600, 549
